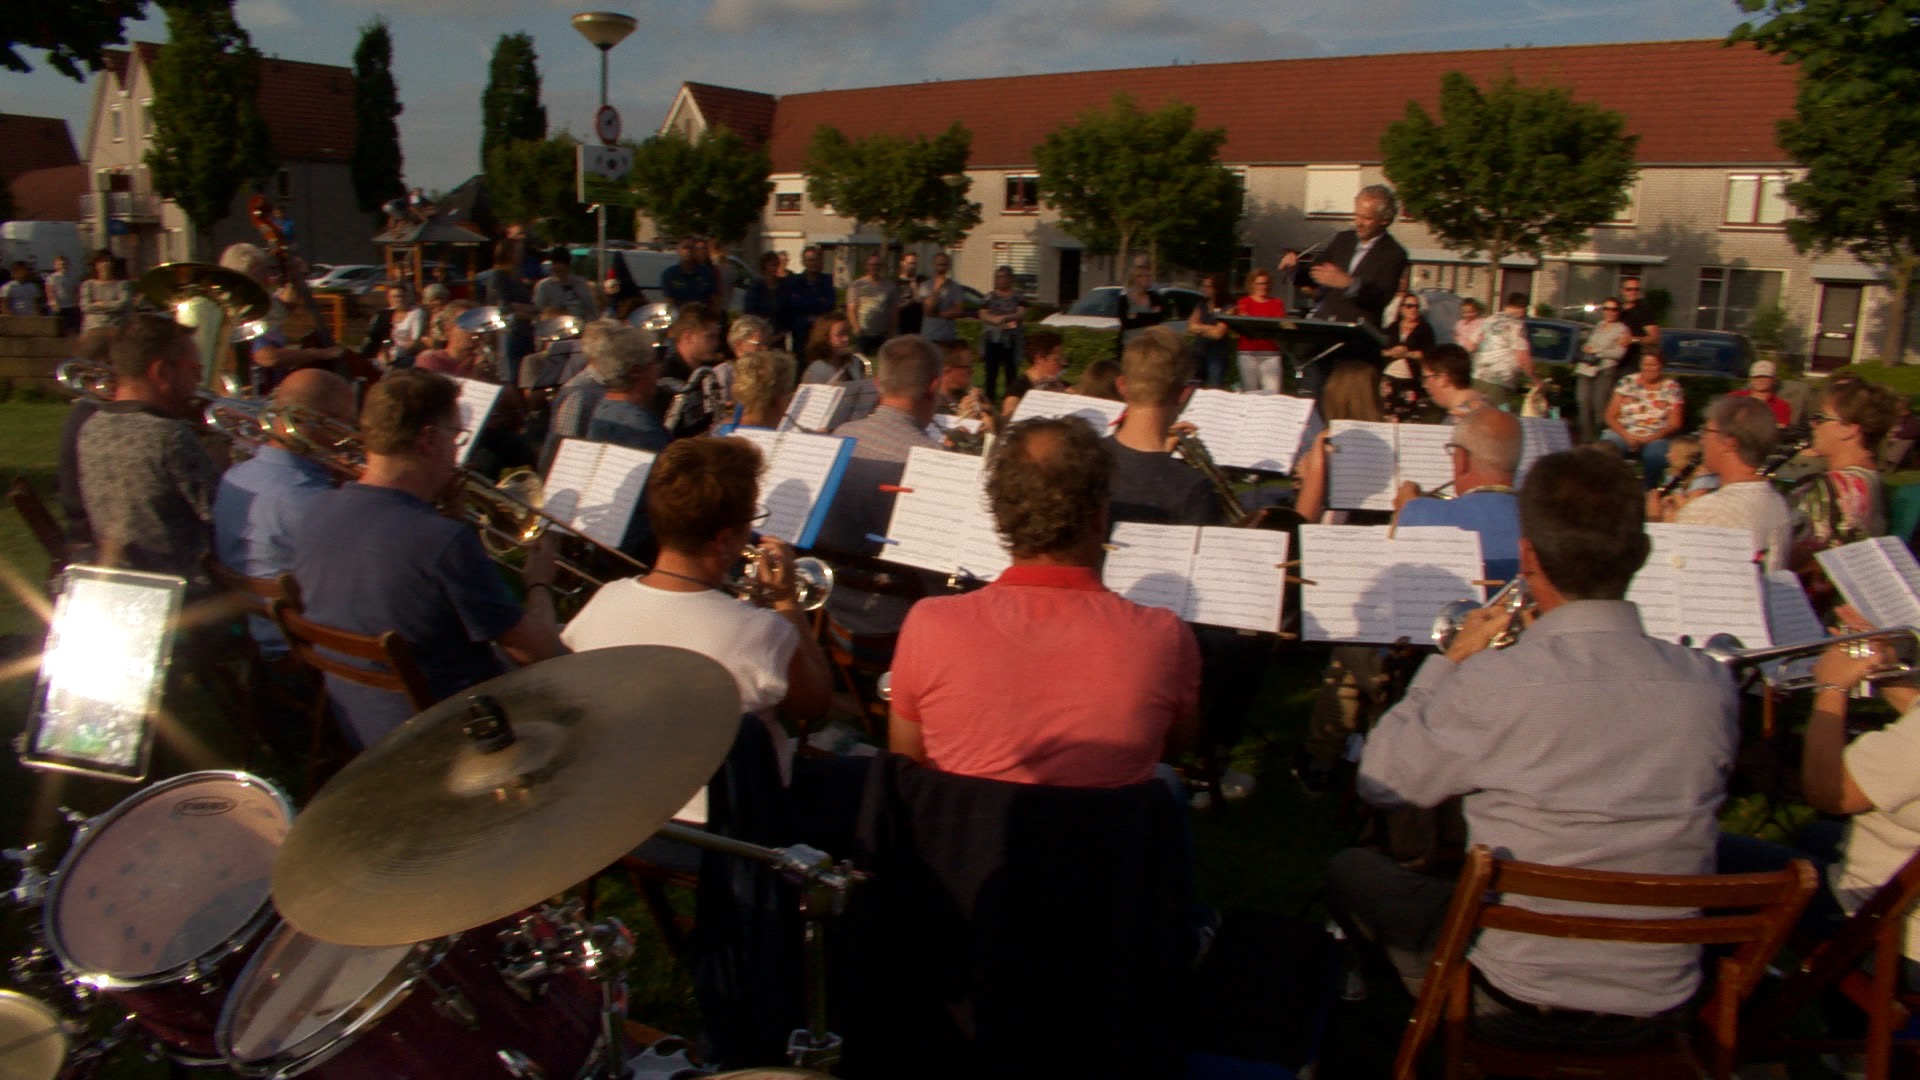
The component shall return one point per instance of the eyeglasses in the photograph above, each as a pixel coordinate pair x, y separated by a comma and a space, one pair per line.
1450, 447
1411, 307
1823, 418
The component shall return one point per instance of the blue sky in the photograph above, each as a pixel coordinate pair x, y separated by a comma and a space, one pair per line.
790, 46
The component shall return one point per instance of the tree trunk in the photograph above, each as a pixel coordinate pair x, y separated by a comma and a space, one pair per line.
1120, 256
1496, 251
1894, 347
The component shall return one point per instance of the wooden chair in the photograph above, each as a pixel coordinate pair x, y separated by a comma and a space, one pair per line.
1878, 930
40, 522
328, 651
1752, 912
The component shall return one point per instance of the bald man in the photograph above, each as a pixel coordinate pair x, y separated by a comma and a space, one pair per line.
261, 501
1486, 455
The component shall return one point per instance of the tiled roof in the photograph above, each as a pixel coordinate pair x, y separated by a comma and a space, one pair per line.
435, 230
308, 107
51, 194
1689, 101
33, 142
744, 112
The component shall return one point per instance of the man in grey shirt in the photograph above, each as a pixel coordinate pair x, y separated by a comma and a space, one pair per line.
1586, 744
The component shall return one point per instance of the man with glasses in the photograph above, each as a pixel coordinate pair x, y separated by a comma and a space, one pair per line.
1738, 436
1448, 380
377, 555
1486, 454
703, 502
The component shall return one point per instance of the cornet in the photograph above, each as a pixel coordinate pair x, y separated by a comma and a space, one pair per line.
1513, 598
812, 580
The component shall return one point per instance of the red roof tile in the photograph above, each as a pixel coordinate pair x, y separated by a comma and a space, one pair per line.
744, 112
1689, 101
34, 142
308, 107
49, 194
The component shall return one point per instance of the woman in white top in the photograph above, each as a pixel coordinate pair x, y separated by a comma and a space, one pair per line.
407, 323
1599, 366
106, 297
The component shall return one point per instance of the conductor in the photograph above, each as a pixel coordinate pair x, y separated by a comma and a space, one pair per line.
1359, 272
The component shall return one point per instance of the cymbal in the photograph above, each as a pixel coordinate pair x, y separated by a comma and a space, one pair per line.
429, 833
243, 298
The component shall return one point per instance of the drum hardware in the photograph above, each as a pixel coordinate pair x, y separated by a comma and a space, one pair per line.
1513, 598
824, 887
1903, 641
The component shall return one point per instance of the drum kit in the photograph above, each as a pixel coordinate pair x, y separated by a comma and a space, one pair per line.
405, 923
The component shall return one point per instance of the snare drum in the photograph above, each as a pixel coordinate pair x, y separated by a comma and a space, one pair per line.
33, 1042
161, 898
427, 1011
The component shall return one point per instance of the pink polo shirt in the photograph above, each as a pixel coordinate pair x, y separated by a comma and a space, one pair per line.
1045, 677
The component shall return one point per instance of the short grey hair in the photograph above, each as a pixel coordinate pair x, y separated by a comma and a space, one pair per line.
613, 350
761, 379
434, 292
1382, 194
1492, 438
908, 365
1750, 423
746, 326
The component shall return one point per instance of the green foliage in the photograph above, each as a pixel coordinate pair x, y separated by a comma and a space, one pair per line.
1509, 170
532, 180
377, 166
913, 189
1856, 128
1659, 303
208, 138
1769, 328
73, 35
1122, 179
510, 109
714, 187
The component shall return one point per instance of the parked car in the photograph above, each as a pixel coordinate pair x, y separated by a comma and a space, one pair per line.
1099, 309
1555, 341
1706, 352
353, 279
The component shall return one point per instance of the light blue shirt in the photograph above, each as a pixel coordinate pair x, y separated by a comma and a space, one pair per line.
1495, 515
1586, 744
256, 510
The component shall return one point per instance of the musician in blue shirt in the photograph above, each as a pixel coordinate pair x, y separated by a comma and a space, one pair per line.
689, 280
808, 295
1486, 454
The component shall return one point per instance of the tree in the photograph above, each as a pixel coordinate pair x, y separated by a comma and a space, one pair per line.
510, 109
532, 180
74, 35
1854, 129
714, 186
913, 189
377, 164
208, 138
1122, 179
1513, 170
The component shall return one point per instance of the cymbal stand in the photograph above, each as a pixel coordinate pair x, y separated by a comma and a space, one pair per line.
824, 887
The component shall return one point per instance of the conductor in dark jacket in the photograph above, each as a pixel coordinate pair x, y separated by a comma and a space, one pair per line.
1360, 270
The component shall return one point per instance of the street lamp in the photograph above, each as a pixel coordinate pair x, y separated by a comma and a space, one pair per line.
603, 30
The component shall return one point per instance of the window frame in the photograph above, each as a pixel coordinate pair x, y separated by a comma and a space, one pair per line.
1307, 197
798, 202
1761, 181
1022, 208
1724, 282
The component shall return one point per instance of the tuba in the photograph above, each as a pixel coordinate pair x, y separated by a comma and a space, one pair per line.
223, 308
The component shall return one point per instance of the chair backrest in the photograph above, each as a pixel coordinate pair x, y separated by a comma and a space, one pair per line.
39, 521
249, 595
1751, 912
322, 648
1879, 923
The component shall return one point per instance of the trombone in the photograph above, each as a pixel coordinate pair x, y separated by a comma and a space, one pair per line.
1774, 665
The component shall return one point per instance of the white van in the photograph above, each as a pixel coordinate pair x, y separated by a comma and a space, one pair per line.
647, 266
39, 241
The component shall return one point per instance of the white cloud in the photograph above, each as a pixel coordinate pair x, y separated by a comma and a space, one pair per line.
264, 14
746, 16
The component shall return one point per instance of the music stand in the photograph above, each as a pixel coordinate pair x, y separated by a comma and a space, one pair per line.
1316, 340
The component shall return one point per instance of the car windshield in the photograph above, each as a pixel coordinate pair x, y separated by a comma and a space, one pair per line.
1715, 354
1550, 342
1100, 302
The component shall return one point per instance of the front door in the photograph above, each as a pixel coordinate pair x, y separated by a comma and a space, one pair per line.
1839, 325
1069, 276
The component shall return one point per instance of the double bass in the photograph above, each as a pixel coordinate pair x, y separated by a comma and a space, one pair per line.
350, 364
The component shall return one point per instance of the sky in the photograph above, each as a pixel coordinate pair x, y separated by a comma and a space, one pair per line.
791, 46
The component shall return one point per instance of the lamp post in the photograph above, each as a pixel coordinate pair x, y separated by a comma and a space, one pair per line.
604, 30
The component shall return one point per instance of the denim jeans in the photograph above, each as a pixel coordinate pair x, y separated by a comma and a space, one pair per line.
1653, 458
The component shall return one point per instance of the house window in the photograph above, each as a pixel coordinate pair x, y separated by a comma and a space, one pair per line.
1729, 296
116, 124
1024, 257
1625, 215
1584, 285
786, 202
1756, 199
1023, 193
146, 118
1331, 190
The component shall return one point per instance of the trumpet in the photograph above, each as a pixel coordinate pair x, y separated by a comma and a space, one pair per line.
812, 580
1902, 641
1513, 598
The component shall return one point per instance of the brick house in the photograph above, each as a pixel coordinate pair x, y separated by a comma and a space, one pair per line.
308, 109
1705, 222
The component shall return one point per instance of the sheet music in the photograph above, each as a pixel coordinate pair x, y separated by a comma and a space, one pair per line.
1153, 565
1879, 577
801, 466
1698, 581
1214, 575
1792, 621
941, 521
1250, 431
1351, 598
595, 487
1433, 565
1370, 461
475, 404
814, 407
1540, 436
1099, 412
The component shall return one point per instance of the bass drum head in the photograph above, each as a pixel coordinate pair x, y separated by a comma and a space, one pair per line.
299, 996
33, 1045
167, 877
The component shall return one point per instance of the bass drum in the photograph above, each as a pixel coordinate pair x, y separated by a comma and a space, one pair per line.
427, 1011
162, 897
33, 1041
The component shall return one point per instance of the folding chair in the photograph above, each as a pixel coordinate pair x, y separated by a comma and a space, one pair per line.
1752, 912
329, 650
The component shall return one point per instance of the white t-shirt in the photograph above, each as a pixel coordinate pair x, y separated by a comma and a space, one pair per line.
1751, 504
1886, 766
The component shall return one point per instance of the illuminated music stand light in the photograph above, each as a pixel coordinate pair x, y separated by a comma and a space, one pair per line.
102, 672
